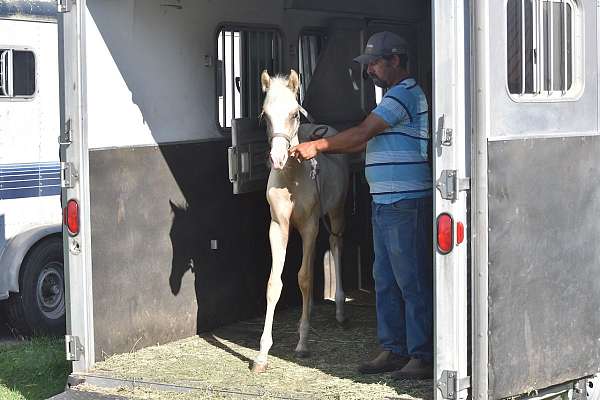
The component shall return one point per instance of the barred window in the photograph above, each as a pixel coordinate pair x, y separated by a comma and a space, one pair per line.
540, 47
310, 45
17, 73
243, 53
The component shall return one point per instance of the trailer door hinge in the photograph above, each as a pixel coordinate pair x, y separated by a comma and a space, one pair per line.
68, 175
74, 348
449, 184
64, 6
449, 384
66, 135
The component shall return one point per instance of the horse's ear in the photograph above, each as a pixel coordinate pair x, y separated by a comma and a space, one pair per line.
265, 80
294, 81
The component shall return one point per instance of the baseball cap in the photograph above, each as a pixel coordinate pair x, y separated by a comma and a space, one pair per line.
382, 44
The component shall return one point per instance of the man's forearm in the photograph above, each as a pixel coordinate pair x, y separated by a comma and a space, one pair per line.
348, 141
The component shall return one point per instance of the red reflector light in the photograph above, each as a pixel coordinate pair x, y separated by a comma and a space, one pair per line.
445, 239
71, 217
460, 232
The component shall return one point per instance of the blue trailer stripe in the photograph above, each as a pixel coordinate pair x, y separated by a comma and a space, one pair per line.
25, 180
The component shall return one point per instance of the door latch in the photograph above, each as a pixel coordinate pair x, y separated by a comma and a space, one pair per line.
74, 348
449, 384
68, 175
449, 184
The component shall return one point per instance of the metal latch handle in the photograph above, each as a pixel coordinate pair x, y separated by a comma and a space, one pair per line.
449, 184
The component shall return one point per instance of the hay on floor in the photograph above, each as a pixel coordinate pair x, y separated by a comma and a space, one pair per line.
216, 364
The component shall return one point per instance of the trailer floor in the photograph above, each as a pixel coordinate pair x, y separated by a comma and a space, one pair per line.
216, 365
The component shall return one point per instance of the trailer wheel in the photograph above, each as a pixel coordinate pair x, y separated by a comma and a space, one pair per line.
39, 307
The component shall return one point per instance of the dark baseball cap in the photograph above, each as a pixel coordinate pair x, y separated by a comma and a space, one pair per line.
382, 44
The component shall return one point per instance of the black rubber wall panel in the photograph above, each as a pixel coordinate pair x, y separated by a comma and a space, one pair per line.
154, 212
544, 271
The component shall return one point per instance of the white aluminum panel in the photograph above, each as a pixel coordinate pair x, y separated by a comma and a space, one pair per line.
78, 255
450, 41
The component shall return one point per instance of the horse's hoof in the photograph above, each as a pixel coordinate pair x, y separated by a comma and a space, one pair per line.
302, 354
345, 323
258, 368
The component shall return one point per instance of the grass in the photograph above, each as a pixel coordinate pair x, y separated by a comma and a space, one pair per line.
31, 370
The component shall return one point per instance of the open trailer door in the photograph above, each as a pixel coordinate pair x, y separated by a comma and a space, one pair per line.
75, 186
450, 173
535, 187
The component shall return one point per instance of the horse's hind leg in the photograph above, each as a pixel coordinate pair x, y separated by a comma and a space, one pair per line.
308, 231
278, 235
337, 222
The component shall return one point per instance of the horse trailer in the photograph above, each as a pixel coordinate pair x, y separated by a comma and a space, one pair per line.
164, 173
31, 254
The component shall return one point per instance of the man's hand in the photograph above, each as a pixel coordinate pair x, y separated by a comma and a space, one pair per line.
304, 151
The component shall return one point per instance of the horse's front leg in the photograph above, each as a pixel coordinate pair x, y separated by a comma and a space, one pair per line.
308, 231
278, 236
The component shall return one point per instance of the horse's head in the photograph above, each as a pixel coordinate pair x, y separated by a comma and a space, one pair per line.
282, 113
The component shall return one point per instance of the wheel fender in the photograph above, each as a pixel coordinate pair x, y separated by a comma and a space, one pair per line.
15, 250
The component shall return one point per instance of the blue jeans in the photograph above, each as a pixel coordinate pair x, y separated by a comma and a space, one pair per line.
404, 276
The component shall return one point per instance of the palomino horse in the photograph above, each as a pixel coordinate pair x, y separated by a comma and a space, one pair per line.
295, 200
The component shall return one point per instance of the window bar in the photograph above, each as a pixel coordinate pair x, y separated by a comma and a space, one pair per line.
271, 50
311, 52
3, 81
9, 79
564, 46
523, 47
541, 55
278, 51
265, 53
534, 45
551, 33
232, 73
256, 43
223, 78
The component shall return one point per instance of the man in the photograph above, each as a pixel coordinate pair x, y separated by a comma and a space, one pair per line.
396, 136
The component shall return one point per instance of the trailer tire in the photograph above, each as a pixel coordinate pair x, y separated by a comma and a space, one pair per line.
39, 307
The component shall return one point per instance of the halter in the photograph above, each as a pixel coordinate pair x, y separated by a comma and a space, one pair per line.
301, 110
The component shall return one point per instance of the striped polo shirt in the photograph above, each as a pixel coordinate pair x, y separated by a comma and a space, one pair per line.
396, 164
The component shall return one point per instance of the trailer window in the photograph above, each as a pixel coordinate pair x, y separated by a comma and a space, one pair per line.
243, 52
17, 73
310, 45
541, 52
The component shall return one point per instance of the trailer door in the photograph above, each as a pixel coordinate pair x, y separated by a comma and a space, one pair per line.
75, 186
535, 196
450, 140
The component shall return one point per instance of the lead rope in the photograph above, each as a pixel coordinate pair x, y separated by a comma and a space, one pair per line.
318, 133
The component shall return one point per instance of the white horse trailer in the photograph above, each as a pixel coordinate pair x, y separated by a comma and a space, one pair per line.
31, 259
150, 89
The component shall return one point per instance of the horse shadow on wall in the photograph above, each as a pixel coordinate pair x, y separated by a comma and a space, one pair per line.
228, 260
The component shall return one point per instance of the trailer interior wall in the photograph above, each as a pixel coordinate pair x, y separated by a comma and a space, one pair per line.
173, 251
543, 195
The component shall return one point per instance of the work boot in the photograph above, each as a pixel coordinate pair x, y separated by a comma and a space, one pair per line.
416, 368
386, 361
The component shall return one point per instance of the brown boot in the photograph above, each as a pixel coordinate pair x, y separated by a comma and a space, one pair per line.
415, 369
386, 361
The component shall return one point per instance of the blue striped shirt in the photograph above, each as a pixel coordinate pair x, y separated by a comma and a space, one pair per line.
396, 164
